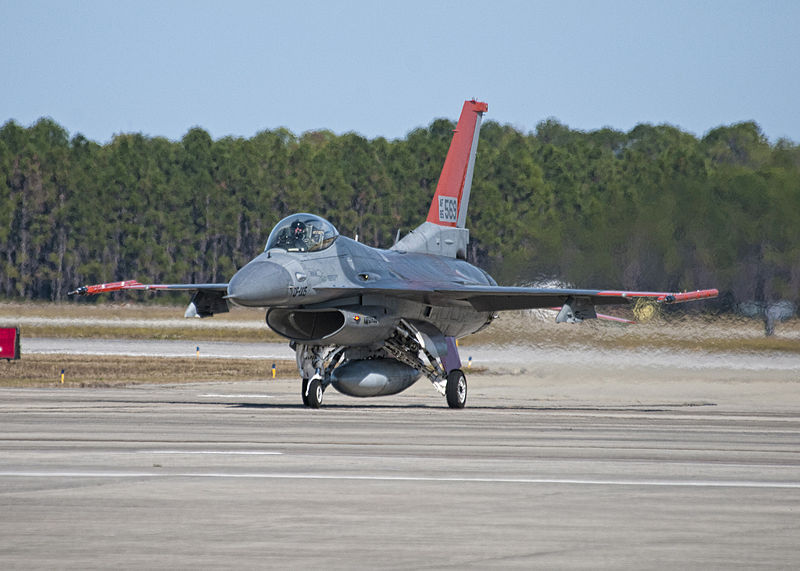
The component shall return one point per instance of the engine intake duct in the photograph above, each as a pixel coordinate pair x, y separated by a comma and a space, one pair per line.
366, 326
305, 325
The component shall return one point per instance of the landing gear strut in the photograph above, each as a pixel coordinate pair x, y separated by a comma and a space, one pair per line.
315, 364
408, 345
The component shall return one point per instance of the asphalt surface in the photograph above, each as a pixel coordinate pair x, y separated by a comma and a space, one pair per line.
579, 473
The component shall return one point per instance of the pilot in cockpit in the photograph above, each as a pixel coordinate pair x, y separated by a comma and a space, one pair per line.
302, 233
298, 233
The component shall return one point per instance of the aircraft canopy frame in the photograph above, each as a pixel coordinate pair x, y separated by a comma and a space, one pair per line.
302, 232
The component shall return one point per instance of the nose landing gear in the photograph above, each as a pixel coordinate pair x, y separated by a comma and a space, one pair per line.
312, 395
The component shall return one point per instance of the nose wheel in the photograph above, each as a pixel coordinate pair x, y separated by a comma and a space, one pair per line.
456, 389
312, 393
315, 364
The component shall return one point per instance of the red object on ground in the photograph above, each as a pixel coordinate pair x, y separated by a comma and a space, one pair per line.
9, 343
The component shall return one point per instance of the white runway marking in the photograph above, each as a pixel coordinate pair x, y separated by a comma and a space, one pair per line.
231, 452
377, 478
217, 396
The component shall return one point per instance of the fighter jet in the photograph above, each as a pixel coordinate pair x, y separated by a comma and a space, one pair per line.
370, 322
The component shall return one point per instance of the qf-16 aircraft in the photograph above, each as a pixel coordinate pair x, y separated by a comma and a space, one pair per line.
371, 322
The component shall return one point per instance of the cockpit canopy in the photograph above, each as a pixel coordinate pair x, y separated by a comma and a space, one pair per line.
302, 233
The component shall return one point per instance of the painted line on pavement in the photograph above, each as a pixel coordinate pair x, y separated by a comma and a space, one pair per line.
231, 452
378, 478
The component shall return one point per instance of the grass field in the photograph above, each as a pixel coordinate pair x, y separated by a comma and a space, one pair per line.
105, 371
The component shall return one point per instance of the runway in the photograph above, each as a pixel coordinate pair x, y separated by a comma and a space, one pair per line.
599, 471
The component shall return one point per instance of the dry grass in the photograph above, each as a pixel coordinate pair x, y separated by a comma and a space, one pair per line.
104, 371
162, 332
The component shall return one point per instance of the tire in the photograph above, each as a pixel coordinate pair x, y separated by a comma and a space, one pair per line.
314, 393
303, 392
456, 389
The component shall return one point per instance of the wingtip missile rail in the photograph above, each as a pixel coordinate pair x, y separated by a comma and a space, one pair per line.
689, 296
104, 288
662, 297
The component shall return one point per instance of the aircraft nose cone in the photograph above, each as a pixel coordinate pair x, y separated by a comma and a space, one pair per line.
260, 283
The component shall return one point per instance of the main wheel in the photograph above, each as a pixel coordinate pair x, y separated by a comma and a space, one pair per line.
303, 392
456, 389
314, 393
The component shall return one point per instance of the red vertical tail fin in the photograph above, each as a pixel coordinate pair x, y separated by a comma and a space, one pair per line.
449, 206
444, 233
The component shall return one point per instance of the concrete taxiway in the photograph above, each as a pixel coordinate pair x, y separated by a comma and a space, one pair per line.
611, 470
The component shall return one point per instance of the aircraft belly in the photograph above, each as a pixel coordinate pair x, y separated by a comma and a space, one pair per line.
451, 317
452, 320
457, 322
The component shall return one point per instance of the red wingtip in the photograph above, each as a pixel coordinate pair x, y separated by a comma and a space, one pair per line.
115, 286
689, 296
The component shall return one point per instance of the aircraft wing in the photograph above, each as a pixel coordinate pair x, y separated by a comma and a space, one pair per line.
135, 285
207, 300
498, 298
574, 303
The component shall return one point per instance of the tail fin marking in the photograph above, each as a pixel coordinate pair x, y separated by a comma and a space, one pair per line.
450, 202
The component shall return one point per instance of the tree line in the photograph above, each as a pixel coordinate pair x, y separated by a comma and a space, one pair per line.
651, 208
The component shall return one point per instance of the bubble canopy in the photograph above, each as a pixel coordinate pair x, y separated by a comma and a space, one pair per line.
302, 233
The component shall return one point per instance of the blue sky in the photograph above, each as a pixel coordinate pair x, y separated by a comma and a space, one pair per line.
384, 68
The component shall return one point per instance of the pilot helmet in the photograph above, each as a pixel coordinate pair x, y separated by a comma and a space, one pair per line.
298, 229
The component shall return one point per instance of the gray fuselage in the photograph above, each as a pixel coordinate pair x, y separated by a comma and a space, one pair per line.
353, 279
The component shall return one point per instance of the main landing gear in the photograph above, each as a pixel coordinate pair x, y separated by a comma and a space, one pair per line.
435, 357
421, 351
456, 389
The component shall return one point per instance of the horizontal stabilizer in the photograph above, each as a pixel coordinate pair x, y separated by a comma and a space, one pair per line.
207, 302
